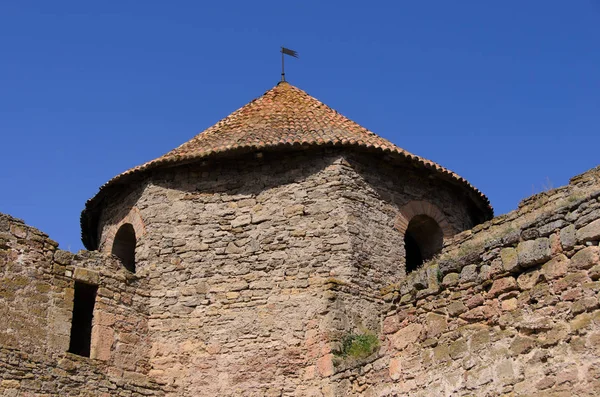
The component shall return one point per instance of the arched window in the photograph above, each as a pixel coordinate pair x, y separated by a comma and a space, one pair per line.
124, 246
422, 240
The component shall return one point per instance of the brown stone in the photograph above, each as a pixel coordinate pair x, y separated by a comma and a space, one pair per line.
395, 369
533, 252
502, 285
521, 345
86, 276
527, 280
586, 258
589, 232
509, 259
406, 336
391, 324
456, 308
556, 267
325, 365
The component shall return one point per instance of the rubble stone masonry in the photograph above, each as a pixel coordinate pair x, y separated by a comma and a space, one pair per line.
509, 308
251, 272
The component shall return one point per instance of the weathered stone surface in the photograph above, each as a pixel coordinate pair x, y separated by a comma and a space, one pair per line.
456, 308
395, 368
435, 324
406, 336
325, 365
586, 258
252, 288
503, 285
450, 279
556, 267
86, 276
589, 232
528, 280
468, 274
509, 259
533, 252
567, 237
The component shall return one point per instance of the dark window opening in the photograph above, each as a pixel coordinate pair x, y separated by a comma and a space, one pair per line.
83, 313
124, 246
422, 240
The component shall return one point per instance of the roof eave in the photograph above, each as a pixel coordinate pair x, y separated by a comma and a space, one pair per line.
90, 214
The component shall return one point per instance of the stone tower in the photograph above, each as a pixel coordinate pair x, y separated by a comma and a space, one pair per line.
268, 237
287, 251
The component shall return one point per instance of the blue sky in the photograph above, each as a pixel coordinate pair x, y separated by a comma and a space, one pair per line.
507, 94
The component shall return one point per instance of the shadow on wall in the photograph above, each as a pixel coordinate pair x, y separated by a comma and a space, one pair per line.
422, 240
124, 246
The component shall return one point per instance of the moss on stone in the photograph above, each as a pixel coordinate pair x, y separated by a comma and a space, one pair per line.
357, 346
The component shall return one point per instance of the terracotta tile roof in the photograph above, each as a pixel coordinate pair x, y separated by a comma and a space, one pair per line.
284, 116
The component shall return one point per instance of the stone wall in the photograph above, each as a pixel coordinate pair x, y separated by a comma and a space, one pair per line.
375, 193
36, 304
239, 256
509, 308
251, 272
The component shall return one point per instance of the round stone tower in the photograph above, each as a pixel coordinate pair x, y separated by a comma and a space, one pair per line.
244, 231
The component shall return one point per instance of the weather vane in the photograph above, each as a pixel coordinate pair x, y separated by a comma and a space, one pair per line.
286, 51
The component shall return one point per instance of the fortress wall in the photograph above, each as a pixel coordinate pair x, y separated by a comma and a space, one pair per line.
377, 195
36, 303
375, 192
238, 255
509, 308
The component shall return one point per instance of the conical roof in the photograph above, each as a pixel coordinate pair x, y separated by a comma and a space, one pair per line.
284, 116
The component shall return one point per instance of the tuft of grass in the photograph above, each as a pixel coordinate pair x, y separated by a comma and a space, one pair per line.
358, 346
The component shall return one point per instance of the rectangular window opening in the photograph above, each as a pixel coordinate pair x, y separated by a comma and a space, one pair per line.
83, 313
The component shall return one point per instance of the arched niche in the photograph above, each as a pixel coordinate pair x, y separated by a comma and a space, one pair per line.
124, 246
422, 240
424, 228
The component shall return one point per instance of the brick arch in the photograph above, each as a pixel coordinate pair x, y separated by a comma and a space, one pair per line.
420, 207
134, 218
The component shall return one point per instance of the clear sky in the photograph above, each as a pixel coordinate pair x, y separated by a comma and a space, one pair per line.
505, 93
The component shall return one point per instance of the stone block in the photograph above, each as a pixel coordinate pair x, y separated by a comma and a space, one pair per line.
102, 342
63, 257
391, 324
584, 304
533, 252
241, 220
395, 369
10, 384
503, 285
510, 261
509, 304
435, 324
456, 308
325, 365
458, 349
505, 372
567, 237
556, 267
586, 258
86, 276
468, 274
590, 232
480, 340
594, 272
406, 336
450, 279
522, 345
441, 353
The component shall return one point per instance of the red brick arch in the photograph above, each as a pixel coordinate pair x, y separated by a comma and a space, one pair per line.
420, 207
134, 218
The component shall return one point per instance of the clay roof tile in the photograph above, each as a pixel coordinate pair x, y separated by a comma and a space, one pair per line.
283, 116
